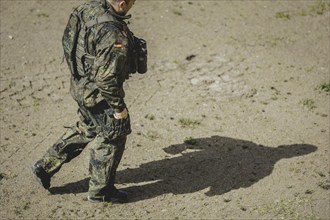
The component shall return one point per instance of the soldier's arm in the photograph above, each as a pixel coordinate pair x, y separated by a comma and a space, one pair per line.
110, 59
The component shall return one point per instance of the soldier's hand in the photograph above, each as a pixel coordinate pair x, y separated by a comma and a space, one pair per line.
121, 115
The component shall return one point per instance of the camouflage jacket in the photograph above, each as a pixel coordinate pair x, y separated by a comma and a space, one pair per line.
111, 47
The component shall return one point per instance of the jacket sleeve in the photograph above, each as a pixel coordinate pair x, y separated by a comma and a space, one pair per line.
111, 57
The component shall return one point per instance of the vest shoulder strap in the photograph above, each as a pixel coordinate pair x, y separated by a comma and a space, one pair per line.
99, 20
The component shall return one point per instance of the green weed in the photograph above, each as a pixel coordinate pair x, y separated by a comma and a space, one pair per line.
283, 15
324, 184
324, 87
36, 103
190, 141
179, 13
308, 103
308, 69
186, 122
320, 7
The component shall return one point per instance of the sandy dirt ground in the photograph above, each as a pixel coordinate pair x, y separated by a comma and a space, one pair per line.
230, 122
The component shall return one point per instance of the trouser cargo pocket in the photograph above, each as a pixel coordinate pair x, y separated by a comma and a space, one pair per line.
113, 128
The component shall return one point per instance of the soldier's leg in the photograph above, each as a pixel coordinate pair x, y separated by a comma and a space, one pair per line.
105, 158
70, 145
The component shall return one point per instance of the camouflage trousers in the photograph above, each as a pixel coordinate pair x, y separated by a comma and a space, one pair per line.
106, 152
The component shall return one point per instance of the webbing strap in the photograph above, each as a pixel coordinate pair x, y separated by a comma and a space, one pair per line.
102, 19
86, 59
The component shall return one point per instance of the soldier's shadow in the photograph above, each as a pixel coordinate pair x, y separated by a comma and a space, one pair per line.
220, 164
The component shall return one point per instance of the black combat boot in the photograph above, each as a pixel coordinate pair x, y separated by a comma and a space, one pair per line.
41, 175
113, 196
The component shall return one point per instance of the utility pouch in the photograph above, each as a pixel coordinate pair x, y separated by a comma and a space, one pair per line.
110, 127
92, 95
114, 128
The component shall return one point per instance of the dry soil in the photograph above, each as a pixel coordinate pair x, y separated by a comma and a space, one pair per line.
230, 122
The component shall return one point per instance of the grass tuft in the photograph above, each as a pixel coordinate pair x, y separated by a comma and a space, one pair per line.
186, 122
190, 141
308, 103
324, 87
283, 15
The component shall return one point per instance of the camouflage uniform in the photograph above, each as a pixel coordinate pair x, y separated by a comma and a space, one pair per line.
111, 47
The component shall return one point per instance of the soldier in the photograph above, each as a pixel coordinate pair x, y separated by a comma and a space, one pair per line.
101, 52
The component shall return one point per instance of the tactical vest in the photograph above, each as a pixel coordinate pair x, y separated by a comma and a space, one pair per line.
80, 62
